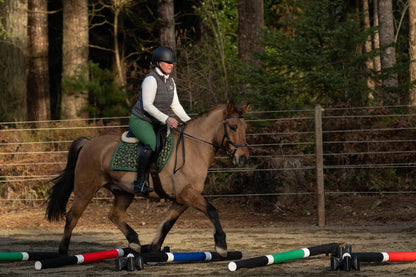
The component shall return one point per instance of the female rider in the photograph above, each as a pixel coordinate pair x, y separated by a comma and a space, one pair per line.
157, 96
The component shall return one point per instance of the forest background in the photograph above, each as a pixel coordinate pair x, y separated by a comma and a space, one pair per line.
87, 58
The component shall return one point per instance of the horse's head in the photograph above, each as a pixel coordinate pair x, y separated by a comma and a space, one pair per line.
234, 139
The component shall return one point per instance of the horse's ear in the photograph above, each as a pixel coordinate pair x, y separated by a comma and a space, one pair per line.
244, 108
230, 108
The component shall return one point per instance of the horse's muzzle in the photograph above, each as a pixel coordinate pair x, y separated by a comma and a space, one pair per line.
240, 160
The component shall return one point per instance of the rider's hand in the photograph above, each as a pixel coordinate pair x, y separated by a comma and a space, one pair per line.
172, 122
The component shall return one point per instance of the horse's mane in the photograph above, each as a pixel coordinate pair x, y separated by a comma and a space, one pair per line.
207, 112
220, 106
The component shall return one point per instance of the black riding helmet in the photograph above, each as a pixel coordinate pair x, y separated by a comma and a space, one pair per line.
163, 54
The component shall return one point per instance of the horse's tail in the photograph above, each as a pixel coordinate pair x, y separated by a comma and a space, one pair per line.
64, 183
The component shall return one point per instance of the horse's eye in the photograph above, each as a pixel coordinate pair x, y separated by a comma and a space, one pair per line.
233, 127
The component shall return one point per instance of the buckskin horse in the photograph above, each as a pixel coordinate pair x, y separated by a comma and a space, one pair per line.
182, 178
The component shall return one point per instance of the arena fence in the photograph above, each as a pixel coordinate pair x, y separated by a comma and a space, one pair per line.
340, 150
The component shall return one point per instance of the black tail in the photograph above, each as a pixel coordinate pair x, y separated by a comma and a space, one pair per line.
64, 183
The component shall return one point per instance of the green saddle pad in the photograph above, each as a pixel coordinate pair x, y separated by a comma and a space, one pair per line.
125, 156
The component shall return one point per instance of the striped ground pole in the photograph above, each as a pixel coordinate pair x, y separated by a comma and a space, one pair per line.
140, 259
82, 258
385, 257
27, 256
330, 248
189, 256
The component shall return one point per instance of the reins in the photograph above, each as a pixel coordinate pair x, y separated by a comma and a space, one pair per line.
180, 139
225, 139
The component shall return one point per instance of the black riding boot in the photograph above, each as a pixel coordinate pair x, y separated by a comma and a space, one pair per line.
144, 161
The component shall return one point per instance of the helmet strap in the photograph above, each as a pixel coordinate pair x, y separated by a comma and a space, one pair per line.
158, 66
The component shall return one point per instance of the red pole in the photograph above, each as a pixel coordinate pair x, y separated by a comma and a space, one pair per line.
381, 257
401, 256
82, 258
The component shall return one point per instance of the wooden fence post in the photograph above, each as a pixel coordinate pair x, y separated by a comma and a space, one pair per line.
319, 166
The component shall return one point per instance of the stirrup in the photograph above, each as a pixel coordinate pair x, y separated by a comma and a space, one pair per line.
141, 187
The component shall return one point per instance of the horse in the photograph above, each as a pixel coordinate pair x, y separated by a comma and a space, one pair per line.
182, 178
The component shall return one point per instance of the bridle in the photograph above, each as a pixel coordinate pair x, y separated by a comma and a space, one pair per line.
227, 139
225, 142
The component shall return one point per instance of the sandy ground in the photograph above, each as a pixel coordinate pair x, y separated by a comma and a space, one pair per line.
252, 233
251, 242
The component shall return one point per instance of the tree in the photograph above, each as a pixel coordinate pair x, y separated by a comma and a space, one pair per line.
218, 51
388, 57
13, 47
167, 20
106, 97
412, 48
376, 37
38, 103
117, 6
312, 58
99, 18
250, 25
368, 46
74, 54
55, 57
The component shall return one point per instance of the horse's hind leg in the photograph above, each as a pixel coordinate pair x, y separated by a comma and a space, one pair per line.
193, 198
175, 210
78, 207
117, 215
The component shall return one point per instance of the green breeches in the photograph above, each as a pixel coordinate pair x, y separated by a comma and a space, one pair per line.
143, 131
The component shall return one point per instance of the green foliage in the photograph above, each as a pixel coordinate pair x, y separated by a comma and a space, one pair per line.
312, 59
106, 98
212, 60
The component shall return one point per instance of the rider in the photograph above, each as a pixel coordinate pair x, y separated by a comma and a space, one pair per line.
158, 95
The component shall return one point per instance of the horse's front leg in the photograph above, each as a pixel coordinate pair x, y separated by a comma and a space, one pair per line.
117, 215
174, 212
193, 198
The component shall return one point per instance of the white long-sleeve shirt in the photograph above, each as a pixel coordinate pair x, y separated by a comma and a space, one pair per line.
149, 89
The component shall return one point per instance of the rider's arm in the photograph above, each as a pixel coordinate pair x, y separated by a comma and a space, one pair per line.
178, 109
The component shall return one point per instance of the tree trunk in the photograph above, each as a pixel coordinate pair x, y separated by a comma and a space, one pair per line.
74, 54
388, 58
368, 47
250, 23
117, 54
376, 38
13, 61
412, 48
38, 103
167, 18
55, 56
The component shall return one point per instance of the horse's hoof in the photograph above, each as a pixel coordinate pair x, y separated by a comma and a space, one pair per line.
146, 248
135, 246
221, 251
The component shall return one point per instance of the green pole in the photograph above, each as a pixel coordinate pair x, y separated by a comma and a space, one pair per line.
13, 256
290, 255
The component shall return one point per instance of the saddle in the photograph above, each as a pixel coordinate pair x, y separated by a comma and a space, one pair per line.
162, 134
126, 154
